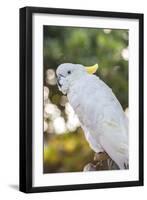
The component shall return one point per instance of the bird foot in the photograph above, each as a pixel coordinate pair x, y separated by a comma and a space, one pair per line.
101, 156
104, 162
101, 162
89, 167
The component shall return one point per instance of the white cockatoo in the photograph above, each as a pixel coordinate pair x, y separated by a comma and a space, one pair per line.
100, 113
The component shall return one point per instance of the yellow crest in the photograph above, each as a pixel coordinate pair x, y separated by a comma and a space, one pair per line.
92, 69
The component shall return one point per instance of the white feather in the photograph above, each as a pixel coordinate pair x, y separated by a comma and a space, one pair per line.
102, 117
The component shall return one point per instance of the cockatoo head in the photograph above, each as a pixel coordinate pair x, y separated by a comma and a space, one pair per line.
68, 73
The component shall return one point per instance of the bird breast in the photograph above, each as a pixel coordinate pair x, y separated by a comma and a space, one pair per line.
85, 97
95, 104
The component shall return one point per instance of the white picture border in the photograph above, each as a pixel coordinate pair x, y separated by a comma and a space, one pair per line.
52, 179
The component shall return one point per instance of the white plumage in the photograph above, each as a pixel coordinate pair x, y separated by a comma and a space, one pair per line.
101, 115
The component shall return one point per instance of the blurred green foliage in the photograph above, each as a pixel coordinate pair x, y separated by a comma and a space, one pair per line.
66, 153
87, 46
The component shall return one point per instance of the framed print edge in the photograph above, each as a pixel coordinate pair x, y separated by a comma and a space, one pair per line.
25, 163
25, 145
141, 99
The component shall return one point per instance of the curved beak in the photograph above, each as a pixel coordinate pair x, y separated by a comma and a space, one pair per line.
58, 81
92, 69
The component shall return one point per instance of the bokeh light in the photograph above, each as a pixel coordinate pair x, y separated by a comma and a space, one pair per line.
50, 77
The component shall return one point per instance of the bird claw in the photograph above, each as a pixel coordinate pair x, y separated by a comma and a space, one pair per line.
89, 167
101, 162
101, 156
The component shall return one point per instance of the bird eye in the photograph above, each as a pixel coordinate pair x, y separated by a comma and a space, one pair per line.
69, 72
